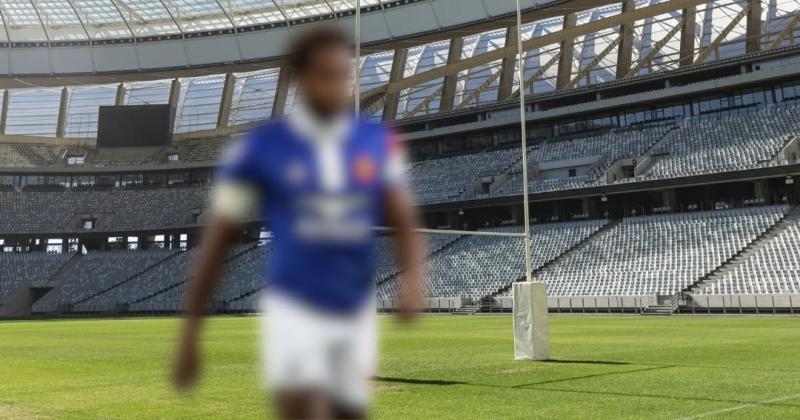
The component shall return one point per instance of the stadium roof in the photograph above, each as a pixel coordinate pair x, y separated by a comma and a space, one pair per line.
47, 38
71, 20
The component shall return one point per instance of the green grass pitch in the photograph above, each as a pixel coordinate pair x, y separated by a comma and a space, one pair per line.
441, 367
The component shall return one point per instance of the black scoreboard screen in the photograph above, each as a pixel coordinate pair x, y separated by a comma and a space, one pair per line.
134, 125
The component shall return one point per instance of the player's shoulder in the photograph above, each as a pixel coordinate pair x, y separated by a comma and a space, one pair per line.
266, 135
375, 133
268, 130
371, 126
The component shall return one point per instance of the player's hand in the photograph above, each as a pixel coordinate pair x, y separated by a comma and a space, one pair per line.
186, 365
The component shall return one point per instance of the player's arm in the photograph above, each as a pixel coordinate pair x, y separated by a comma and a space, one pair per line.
410, 248
232, 204
217, 241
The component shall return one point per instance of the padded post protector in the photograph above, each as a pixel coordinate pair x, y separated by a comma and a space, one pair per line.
531, 329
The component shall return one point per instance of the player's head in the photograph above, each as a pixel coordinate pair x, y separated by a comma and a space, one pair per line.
322, 59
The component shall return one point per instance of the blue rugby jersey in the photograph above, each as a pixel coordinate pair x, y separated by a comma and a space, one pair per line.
321, 213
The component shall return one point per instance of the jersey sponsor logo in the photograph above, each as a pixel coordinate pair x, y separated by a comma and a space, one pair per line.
342, 218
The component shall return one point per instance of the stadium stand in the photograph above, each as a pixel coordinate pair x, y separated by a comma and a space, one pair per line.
738, 142
113, 209
751, 139
660, 255
657, 254
597, 153
164, 275
25, 155
22, 269
97, 272
478, 266
771, 266
446, 179
242, 276
205, 150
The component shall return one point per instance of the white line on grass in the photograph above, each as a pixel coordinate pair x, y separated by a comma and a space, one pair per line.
741, 407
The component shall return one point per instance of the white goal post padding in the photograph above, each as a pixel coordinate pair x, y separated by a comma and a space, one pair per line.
531, 329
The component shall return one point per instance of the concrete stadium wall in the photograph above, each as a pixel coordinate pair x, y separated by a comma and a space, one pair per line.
765, 302
17, 304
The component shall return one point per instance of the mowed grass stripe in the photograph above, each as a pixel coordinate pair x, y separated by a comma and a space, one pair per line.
440, 367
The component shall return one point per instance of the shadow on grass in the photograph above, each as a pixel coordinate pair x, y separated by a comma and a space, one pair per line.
587, 362
412, 381
537, 386
594, 375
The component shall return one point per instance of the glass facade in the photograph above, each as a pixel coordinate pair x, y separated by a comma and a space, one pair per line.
254, 96
83, 108
198, 107
33, 112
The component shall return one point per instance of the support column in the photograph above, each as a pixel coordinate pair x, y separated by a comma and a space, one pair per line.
688, 18
753, 39
625, 48
281, 91
174, 98
517, 215
120, 98
761, 189
395, 75
4, 112
174, 92
589, 206
61, 123
449, 84
453, 219
225, 103
509, 65
669, 198
566, 53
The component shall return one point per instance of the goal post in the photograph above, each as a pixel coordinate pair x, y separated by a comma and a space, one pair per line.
529, 299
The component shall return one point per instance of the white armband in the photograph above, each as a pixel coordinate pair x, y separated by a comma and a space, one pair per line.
236, 202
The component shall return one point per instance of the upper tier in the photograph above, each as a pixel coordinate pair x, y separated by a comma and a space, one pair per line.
747, 141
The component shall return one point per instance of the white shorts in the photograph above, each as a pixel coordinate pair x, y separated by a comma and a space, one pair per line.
308, 349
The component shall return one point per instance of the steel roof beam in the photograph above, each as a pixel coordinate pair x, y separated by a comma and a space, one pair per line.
539, 73
625, 51
753, 37
537, 42
688, 24
705, 53
586, 71
566, 52
787, 33
647, 59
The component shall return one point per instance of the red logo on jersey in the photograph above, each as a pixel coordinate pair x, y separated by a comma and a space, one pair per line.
365, 169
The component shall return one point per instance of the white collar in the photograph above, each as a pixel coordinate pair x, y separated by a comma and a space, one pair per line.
310, 127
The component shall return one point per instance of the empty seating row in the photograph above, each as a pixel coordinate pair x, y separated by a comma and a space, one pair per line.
657, 254
22, 269
112, 209
772, 267
638, 256
23, 155
478, 266
738, 142
96, 272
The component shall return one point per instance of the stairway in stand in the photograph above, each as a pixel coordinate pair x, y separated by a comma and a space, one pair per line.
485, 303
792, 217
665, 310
467, 309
